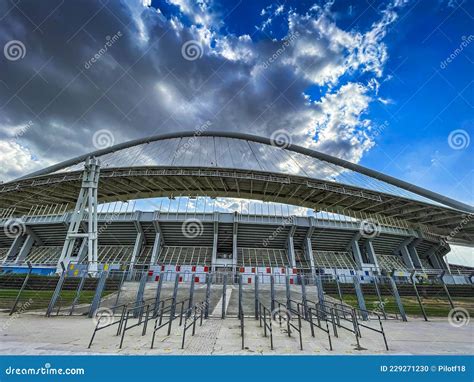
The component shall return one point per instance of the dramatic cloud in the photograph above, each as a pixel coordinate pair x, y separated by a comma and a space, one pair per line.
127, 68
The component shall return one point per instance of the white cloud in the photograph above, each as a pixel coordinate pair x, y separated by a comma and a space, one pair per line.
339, 126
144, 86
16, 159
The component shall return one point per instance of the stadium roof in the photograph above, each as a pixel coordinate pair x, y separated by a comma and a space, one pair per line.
225, 164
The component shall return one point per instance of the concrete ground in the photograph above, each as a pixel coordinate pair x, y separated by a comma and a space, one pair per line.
29, 334
33, 333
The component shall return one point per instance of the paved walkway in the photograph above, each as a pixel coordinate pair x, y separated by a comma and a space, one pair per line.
34, 334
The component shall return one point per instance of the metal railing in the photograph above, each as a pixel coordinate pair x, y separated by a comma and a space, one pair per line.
308, 313
266, 314
336, 314
368, 313
194, 313
289, 323
145, 309
172, 316
119, 323
242, 324
343, 312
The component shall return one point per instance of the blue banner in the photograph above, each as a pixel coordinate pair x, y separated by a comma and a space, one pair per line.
236, 368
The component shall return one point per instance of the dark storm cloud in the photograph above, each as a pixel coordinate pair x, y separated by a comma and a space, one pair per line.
92, 65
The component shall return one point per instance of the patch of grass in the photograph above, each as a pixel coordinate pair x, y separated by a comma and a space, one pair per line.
37, 299
434, 307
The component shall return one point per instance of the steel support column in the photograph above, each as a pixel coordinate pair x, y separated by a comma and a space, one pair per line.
290, 248
418, 298
303, 295
308, 247
14, 248
224, 295
320, 289
98, 293
158, 294
57, 291
360, 297
414, 253
23, 285
30, 240
354, 246
214, 243
371, 253
78, 293
155, 253
256, 295
137, 248
86, 203
403, 249
25, 249
288, 291
272, 293
173, 304
140, 294
431, 255
191, 291
398, 300
208, 294
235, 230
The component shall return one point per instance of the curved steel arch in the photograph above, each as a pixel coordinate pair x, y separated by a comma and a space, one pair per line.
267, 141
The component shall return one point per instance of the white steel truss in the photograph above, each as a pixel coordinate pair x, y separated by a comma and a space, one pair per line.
86, 203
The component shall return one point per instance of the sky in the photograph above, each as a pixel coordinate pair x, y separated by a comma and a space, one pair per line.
386, 84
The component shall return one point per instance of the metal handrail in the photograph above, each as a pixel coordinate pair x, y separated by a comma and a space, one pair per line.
119, 322
381, 331
318, 325
242, 324
172, 311
289, 324
308, 317
188, 314
266, 325
335, 318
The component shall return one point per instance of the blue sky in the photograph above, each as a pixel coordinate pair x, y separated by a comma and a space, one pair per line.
425, 100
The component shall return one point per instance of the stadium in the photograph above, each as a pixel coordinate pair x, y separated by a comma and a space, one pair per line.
368, 249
